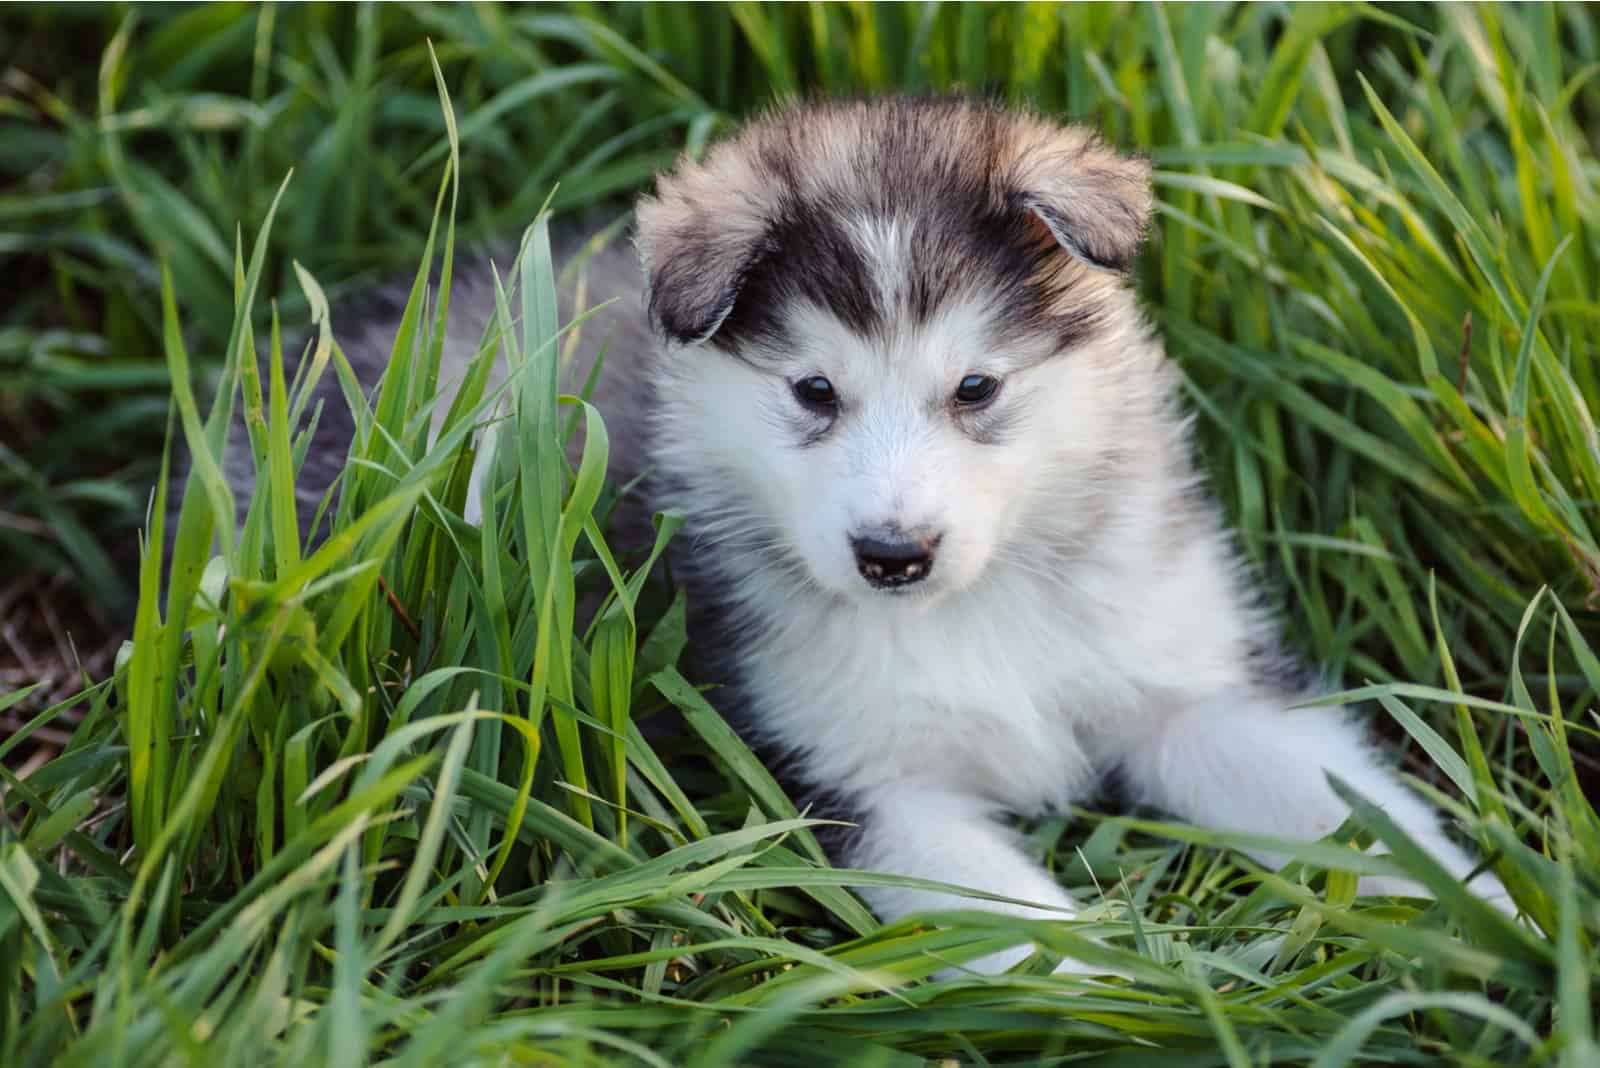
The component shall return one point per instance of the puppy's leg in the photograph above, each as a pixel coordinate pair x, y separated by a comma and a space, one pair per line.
950, 837
1253, 766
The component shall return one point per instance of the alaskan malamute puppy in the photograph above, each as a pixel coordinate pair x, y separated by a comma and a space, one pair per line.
942, 517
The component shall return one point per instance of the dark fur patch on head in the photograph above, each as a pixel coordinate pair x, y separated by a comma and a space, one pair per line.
981, 202
809, 257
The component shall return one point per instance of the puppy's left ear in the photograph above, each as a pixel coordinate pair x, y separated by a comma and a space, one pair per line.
1095, 202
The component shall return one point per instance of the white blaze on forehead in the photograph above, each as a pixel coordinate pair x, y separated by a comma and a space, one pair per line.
958, 331
885, 243
961, 325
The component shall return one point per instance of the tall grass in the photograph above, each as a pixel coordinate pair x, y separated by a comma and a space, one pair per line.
383, 797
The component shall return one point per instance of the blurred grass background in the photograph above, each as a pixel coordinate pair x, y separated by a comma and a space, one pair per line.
1377, 262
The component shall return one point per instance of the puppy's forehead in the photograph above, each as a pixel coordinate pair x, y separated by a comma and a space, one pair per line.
887, 216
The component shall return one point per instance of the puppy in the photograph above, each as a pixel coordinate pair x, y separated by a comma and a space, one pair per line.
941, 497
943, 528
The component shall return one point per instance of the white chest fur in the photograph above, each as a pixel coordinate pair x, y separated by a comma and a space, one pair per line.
1009, 691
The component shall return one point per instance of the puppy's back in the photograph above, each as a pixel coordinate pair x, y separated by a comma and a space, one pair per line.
591, 273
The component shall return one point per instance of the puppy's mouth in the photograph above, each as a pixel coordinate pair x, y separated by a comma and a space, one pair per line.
924, 589
898, 581
894, 562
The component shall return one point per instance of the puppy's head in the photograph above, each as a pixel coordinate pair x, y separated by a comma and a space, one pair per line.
895, 331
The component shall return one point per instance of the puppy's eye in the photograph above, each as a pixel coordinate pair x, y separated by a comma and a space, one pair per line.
976, 390
816, 393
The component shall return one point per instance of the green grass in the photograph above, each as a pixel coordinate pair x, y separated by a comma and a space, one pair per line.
382, 800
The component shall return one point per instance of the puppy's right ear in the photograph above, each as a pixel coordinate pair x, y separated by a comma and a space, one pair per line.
699, 237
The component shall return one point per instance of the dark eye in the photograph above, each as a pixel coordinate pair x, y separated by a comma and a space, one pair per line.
976, 390
816, 393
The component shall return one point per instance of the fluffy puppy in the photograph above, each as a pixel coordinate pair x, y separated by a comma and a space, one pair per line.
941, 503
944, 532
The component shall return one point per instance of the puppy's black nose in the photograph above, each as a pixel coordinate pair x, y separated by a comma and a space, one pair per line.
894, 559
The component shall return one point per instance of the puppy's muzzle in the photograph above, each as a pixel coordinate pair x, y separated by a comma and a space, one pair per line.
893, 559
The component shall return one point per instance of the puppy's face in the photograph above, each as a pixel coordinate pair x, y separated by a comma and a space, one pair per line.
894, 331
